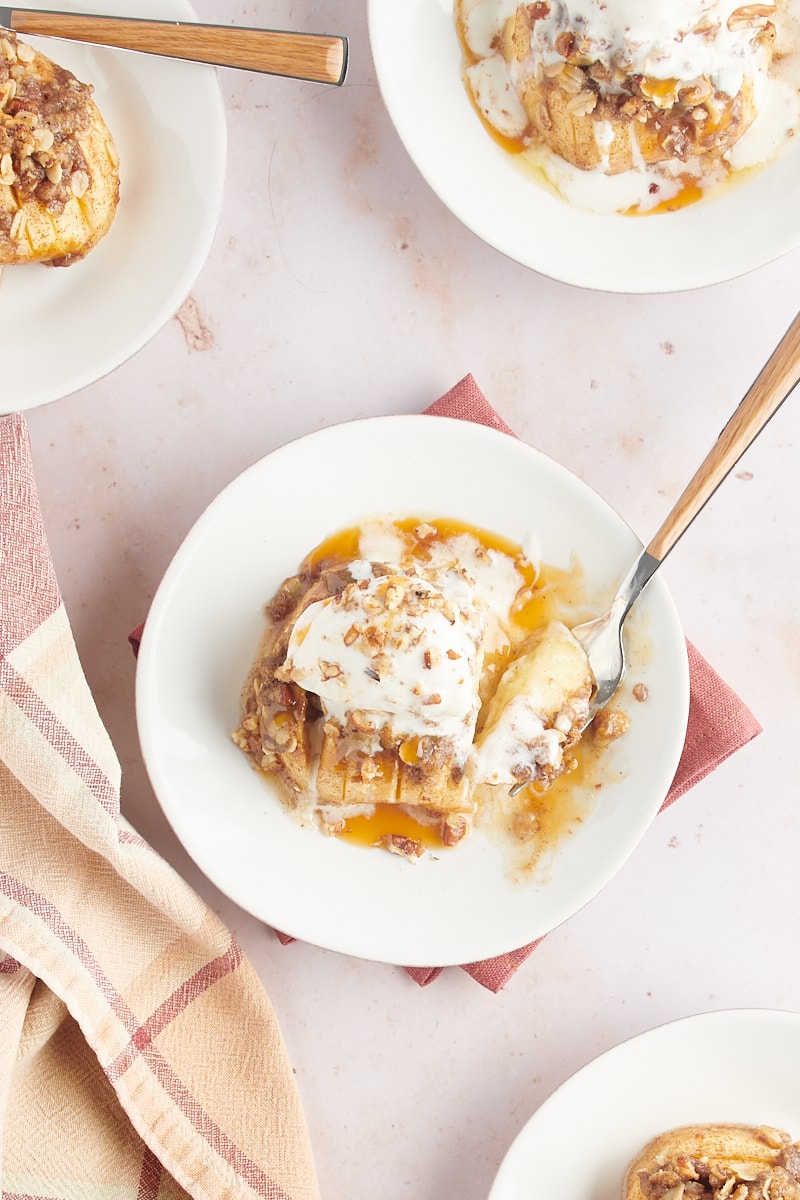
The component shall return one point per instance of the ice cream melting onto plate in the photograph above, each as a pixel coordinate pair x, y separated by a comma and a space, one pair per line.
634, 106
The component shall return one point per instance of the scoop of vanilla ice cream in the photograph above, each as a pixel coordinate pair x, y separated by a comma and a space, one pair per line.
658, 39
404, 650
662, 39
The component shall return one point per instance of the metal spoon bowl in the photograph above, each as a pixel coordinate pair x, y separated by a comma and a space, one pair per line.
602, 638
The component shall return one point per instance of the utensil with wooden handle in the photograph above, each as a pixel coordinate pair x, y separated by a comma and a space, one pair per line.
602, 637
316, 57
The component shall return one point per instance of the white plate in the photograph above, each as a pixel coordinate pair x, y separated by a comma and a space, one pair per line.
62, 329
732, 1066
205, 625
418, 63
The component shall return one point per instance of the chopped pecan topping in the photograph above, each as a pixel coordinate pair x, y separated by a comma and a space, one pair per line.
397, 843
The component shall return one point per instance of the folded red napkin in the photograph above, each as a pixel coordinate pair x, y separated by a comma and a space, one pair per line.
139, 1053
719, 723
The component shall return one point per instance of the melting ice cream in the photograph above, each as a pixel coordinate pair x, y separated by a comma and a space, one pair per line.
396, 649
628, 104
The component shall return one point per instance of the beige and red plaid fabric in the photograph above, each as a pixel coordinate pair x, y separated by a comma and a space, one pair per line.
139, 1054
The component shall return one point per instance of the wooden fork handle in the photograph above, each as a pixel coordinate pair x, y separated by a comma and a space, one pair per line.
772, 385
320, 58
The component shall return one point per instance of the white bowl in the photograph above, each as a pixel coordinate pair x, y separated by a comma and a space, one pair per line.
65, 328
736, 1066
418, 63
205, 625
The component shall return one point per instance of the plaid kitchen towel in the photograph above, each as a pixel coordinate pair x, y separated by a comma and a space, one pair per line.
139, 1054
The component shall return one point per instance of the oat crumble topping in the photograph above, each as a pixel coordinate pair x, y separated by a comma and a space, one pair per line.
41, 123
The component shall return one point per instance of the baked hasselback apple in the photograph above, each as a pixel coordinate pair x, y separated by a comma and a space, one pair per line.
59, 168
721, 1162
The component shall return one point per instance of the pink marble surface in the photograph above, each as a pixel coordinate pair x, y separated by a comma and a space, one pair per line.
339, 287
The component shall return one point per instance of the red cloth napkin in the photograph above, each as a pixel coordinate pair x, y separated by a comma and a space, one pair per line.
139, 1053
719, 723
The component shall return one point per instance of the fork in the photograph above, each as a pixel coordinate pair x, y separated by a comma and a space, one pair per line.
602, 638
316, 57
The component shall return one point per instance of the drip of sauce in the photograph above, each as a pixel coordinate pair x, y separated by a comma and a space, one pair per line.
690, 192
546, 592
386, 820
553, 813
511, 145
